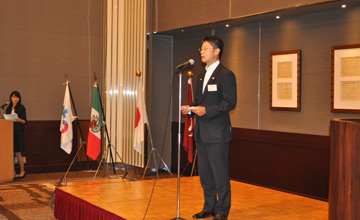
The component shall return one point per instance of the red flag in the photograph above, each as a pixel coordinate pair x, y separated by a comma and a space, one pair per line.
189, 125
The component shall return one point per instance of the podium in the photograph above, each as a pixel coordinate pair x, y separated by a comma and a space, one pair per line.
344, 188
7, 150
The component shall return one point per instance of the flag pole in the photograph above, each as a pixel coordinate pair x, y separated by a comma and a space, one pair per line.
108, 147
77, 120
83, 143
190, 74
153, 149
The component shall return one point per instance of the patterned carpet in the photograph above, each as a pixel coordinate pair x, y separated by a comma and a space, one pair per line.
28, 201
30, 198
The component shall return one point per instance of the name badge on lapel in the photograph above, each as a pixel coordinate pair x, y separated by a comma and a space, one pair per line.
212, 88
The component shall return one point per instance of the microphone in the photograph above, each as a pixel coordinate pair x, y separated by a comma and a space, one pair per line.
187, 63
4, 105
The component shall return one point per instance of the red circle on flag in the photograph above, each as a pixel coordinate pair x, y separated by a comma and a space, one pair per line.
137, 118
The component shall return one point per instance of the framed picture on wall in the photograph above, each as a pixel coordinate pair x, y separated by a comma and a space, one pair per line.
285, 80
345, 79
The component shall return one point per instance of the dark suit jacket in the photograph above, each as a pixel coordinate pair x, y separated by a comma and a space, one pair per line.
219, 99
21, 112
19, 140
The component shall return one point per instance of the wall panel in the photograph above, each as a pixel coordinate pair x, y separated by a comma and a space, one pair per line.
39, 41
43, 153
296, 163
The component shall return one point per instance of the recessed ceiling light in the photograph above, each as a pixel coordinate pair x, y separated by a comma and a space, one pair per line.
154, 32
227, 25
277, 16
343, 6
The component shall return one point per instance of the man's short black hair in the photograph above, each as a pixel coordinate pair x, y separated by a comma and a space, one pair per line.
216, 42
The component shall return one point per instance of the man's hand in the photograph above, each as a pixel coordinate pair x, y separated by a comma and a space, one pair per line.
199, 110
185, 109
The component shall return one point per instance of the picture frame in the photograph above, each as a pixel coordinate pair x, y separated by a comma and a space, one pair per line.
285, 87
345, 79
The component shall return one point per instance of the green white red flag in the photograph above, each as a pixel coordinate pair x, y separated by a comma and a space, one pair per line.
94, 138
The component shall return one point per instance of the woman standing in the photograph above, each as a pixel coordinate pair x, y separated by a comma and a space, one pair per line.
19, 140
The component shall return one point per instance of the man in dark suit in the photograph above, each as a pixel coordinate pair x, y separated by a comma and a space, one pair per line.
215, 96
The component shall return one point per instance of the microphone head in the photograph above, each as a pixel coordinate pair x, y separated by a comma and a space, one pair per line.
191, 62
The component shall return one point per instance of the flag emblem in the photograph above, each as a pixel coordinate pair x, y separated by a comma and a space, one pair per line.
65, 127
65, 124
137, 117
95, 124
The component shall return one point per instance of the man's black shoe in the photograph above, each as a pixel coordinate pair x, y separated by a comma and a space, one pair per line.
203, 214
220, 217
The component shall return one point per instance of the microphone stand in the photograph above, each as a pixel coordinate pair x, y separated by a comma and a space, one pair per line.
179, 143
2, 112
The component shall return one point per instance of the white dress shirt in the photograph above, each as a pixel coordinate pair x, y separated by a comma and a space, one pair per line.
209, 71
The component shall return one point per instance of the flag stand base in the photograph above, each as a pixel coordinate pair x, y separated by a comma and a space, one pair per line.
64, 177
152, 152
108, 147
193, 166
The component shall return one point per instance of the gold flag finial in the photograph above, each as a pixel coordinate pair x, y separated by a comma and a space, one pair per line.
138, 73
190, 74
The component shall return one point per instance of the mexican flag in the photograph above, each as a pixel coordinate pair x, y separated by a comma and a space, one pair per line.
94, 138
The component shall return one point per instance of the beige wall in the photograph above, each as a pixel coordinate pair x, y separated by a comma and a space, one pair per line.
41, 39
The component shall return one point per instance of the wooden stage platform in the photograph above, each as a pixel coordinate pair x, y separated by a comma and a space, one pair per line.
123, 199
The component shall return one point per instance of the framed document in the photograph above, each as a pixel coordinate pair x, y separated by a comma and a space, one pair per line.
345, 79
285, 80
